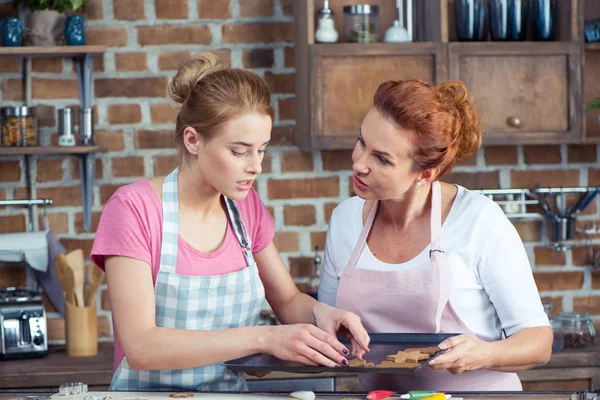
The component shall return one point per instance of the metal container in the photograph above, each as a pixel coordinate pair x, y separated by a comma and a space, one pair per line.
28, 124
86, 126
563, 228
361, 23
65, 127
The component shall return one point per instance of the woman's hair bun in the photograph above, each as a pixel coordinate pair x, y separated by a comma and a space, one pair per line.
190, 73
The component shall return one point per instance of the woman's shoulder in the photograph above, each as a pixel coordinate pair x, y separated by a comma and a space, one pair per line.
348, 210
136, 195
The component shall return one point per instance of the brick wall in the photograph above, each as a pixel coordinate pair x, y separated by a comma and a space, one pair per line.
146, 42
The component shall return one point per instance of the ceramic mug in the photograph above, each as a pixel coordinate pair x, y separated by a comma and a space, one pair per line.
12, 31
74, 30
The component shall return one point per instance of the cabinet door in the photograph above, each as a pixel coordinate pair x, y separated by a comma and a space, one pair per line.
346, 76
526, 92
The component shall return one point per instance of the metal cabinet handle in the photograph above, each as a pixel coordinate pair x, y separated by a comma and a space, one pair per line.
515, 122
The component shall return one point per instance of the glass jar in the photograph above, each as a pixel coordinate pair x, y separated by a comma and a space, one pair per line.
548, 307
578, 329
559, 336
11, 132
28, 125
361, 23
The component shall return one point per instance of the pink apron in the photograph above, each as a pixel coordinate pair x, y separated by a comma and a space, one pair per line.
413, 301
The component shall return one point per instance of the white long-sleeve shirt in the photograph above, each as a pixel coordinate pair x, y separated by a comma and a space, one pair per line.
492, 286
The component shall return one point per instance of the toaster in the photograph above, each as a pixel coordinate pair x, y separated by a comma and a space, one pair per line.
23, 331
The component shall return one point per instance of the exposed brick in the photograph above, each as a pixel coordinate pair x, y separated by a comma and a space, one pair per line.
171, 9
593, 177
317, 239
328, 208
589, 304
113, 37
74, 166
147, 139
544, 178
56, 328
162, 113
50, 65
303, 287
303, 188
94, 10
172, 60
271, 211
21, 194
595, 280
106, 191
287, 6
288, 57
128, 9
54, 89
256, 8
301, 267
529, 231
286, 241
475, 180
61, 196
113, 140
501, 155
59, 222
49, 170
131, 87
337, 160
13, 276
281, 83
12, 89
9, 66
296, 161
299, 215
258, 58
130, 61
165, 164
287, 109
71, 244
79, 228
12, 223
541, 154
97, 64
105, 300
556, 304
125, 167
547, 281
47, 304
267, 163
10, 171
103, 327
75, 110
282, 135
581, 153
214, 9
581, 255
2, 194
571, 199
124, 114
174, 34
545, 256
266, 32
467, 162
46, 115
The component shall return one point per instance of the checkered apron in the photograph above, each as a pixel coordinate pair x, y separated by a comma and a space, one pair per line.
199, 303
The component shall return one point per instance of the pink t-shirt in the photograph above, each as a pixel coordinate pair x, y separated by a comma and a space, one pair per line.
131, 226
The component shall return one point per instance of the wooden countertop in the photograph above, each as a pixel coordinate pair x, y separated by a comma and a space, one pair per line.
56, 368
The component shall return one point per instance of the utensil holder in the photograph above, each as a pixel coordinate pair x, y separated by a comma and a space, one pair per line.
81, 330
563, 228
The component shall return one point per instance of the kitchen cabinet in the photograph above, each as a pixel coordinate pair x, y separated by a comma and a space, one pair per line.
528, 92
82, 56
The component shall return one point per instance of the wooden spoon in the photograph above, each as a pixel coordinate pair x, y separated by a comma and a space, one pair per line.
65, 277
95, 279
75, 261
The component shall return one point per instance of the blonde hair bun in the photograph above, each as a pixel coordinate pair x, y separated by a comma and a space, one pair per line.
197, 67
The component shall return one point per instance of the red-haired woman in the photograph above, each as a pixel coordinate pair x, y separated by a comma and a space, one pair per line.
412, 254
189, 257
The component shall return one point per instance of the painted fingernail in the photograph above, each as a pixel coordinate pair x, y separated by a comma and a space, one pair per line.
431, 362
345, 351
442, 346
344, 361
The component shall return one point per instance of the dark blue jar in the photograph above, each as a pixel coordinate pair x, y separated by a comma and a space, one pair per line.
544, 18
74, 30
508, 19
12, 31
470, 16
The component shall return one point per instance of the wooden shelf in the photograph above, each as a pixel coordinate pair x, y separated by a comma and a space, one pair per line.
51, 150
50, 52
592, 46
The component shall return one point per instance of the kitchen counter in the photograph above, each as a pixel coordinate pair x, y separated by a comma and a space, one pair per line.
572, 369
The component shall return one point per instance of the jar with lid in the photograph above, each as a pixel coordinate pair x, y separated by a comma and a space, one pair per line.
11, 130
361, 23
558, 334
28, 125
578, 329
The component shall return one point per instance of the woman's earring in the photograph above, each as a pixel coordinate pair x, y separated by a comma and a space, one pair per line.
418, 184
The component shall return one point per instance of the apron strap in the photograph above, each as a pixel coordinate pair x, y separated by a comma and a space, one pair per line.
436, 219
438, 260
240, 230
170, 223
362, 239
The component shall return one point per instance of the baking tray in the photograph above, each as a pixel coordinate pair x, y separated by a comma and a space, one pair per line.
382, 344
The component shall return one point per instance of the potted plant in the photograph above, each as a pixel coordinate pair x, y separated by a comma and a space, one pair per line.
46, 23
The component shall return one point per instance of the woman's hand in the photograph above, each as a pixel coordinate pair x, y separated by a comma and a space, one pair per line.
333, 321
307, 344
463, 353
